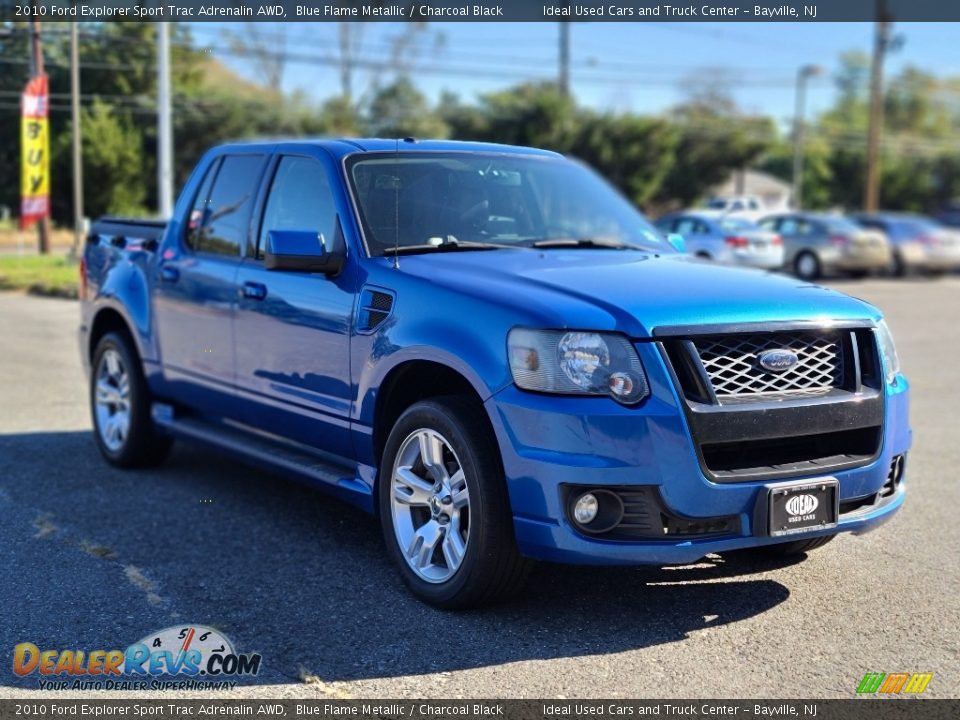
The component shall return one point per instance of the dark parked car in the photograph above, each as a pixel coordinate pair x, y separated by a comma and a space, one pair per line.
919, 242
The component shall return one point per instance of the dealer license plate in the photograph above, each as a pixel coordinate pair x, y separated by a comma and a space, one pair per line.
803, 507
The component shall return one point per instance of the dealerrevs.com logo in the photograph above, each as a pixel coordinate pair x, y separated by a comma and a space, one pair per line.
200, 658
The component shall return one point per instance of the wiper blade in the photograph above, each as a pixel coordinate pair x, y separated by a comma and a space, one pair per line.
448, 246
587, 243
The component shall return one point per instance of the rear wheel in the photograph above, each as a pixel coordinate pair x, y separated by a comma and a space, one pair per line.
444, 509
807, 266
120, 406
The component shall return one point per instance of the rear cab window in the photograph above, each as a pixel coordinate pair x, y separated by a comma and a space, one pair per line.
219, 222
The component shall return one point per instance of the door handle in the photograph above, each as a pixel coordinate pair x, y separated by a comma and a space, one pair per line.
254, 291
169, 274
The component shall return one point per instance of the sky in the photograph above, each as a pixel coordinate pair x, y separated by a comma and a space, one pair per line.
637, 67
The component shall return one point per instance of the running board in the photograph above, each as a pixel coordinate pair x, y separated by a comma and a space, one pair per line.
267, 453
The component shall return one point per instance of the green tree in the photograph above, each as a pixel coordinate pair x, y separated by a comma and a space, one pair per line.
400, 110
112, 160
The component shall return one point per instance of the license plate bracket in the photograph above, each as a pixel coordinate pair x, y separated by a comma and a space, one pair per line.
800, 507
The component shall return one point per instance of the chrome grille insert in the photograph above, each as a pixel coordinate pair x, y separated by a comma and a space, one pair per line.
732, 366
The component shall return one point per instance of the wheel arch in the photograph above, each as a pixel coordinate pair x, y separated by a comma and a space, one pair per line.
410, 382
108, 319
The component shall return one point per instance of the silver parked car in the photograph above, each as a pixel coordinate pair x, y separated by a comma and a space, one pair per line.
724, 238
817, 243
918, 242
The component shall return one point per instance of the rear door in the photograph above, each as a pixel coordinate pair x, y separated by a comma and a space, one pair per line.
196, 291
293, 329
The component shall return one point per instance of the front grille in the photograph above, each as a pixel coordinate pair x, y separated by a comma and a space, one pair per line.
732, 364
748, 423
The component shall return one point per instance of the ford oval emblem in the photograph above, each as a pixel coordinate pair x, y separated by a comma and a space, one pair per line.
777, 360
802, 504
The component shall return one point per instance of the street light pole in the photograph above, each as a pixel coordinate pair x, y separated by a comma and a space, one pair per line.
881, 45
164, 123
564, 58
799, 121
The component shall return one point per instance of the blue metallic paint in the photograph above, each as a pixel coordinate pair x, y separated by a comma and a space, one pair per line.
304, 372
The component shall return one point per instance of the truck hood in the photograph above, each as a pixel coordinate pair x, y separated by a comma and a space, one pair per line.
629, 291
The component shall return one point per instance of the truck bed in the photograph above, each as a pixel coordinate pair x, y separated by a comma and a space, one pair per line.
122, 231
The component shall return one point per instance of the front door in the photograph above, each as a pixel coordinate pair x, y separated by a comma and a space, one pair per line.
292, 332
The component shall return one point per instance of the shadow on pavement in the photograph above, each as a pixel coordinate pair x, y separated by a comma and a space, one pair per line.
101, 557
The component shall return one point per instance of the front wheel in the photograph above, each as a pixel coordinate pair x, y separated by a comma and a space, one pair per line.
444, 508
120, 405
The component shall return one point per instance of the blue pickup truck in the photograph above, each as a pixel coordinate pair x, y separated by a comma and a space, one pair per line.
492, 351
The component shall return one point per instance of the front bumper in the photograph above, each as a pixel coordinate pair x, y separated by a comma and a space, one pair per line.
549, 443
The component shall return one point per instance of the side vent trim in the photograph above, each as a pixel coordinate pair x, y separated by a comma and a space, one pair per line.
376, 305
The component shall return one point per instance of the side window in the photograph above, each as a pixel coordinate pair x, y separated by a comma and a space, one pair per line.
196, 220
788, 226
768, 224
684, 226
300, 198
701, 228
225, 220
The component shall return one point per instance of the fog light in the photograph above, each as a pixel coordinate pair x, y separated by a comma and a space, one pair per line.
585, 509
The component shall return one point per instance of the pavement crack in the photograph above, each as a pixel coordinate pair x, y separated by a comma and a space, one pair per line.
328, 689
140, 581
44, 525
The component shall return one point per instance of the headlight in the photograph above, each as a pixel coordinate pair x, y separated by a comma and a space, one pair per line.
891, 361
576, 363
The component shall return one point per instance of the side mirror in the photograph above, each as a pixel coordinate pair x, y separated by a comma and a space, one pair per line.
303, 251
677, 241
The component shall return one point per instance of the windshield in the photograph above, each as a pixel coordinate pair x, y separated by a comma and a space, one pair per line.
840, 225
914, 225
431, 200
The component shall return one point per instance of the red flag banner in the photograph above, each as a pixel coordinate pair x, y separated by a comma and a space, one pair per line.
34, 153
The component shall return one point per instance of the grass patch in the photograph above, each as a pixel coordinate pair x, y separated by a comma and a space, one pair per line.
51, 275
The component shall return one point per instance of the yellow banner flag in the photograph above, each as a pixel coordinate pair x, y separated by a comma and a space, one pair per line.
34, 153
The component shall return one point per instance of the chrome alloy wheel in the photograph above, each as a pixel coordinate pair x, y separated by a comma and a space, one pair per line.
430, 505
112, 399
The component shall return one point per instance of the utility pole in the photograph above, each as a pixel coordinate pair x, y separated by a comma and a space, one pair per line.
36, 68
881, 43
77, 144
799, 122
164, 124
564, 70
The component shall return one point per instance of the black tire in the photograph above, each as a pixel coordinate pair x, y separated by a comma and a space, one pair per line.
815, 270
858, 274
784, 550
492, 569
898, 268
142, 445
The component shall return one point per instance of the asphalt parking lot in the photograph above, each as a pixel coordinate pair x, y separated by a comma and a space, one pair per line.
96, 558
